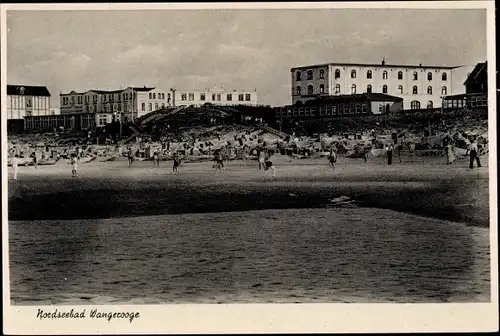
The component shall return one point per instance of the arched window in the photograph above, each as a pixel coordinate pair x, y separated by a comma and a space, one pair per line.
415, 90
444, 76
353, 74
309, 74
337, 88
154, 95
337, 73
444, 90
430, 104
400, 89
415, 75
429, 76
299, 90
369, 74
384, 75
384, 89
415, 105
322, 74
150, 95
321, 88
369, 88
298, 75
400, 74
429, 90
310, 89
353, 88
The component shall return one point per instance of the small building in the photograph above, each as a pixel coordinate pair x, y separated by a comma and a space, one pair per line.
476, 90
342, 106
25, 100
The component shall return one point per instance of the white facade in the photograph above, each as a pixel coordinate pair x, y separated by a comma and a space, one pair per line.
420, 86
23, 101
134, 102
216, 97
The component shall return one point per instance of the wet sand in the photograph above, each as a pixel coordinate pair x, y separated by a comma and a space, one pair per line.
411, 232
109, 190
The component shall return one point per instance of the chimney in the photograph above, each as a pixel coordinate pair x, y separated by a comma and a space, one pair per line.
383, 61
420, 65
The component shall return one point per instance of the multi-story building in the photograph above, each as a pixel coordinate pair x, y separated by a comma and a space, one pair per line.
25, 100
134, 102
476, 90
420, 86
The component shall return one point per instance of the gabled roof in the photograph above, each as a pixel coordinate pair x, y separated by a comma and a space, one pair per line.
27, 90
478, 70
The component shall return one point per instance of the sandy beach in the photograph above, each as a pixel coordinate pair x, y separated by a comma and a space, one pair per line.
366, 232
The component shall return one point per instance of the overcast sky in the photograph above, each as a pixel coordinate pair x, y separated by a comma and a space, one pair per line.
238, 49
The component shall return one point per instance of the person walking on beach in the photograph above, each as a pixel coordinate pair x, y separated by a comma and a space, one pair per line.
389, 149
218, 162
15, 165
365, 154
74, 165
332, 158
268, 164
400, 152
473, 154
261, 152
130, 157
35, 161
177, 163
156, 159
450, 153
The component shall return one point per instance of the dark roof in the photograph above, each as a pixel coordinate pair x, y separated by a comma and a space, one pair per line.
142, 88
379, 65
28, 90
464, 95
478, 70
355, 97
106, 91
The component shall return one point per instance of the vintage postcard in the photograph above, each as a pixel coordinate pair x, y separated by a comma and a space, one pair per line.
249, 167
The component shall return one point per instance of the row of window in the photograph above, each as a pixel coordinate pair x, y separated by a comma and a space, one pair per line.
369, 75
161, 95
310, 89
29, 101
481, 101
216, 97
327, 110
106, 97
150, 106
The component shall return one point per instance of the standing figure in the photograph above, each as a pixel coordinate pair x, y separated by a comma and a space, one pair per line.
74, 167
400, 152
177, 163
389, 154
268, 164
130, 157
261, 152
15, 165
218, 162
35, 161
332, 158
365, 154
412, 148
156, 159
450, 153
473, 153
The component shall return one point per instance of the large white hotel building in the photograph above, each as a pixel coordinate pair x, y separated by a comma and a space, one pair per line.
420, 86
